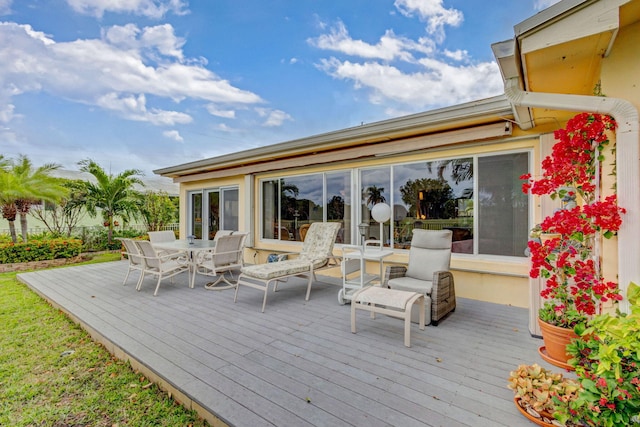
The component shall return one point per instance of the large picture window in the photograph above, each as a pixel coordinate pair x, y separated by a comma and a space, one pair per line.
478, 198
291, 204
441, 194
503, 209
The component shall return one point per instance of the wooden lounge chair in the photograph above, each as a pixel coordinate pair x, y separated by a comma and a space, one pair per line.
317, 252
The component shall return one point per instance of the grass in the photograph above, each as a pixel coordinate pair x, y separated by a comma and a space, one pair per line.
53, 374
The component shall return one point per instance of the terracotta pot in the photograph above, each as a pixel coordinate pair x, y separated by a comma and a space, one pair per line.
555, 342
538, 420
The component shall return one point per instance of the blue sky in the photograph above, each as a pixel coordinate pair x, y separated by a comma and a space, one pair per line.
147, 84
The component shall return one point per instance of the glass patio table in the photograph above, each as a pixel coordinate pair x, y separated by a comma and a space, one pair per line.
192, 248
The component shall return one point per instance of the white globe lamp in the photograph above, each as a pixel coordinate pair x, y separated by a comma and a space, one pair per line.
381, 212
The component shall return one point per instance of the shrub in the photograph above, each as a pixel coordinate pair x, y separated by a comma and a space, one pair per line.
607, 363
38, 250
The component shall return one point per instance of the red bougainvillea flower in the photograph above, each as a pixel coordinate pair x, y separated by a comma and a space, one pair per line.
572, 276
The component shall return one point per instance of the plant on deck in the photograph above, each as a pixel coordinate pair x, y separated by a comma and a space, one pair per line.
607, 363
569, 263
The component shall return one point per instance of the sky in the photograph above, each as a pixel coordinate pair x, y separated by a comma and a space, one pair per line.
148, 84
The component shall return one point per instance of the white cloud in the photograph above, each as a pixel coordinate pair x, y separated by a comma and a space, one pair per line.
543, 4
215, 111
225, 128
389, 47
173, 134
6, 113
274, 118
457, 55
150, 8
135, 108
156, 41
5, 7
404, 74
437, 84
116, 72
433, 12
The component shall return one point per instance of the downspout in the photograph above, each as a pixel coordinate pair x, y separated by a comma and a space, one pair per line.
627, 165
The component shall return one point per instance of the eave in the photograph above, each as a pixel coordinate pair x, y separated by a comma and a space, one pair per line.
560, 50
491, 110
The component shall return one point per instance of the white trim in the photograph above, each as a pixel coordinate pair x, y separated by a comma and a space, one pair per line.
627, 164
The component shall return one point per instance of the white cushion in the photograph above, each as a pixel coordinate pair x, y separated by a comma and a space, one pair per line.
411, 284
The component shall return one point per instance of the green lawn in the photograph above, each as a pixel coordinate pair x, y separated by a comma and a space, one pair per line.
53, 374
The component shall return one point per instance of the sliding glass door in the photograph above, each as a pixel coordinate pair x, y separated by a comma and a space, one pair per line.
219, 209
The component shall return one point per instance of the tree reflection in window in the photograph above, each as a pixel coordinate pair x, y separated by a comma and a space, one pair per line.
431, 194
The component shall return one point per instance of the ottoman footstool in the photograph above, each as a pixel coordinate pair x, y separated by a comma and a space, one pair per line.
390, 302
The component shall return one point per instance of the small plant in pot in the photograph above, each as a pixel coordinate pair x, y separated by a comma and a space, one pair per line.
569, 263
539, 392
607, 364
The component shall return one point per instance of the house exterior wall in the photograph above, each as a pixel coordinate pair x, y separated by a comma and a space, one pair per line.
489, 278
497, 279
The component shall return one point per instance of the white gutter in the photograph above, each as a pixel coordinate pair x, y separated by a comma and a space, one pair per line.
627, 165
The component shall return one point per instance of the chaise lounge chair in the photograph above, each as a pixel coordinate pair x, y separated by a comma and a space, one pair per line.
317, 251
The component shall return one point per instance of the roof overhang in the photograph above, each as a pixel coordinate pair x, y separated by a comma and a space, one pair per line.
551, 46
482, 112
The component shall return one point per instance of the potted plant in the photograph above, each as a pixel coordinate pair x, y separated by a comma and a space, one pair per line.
536, 391
574, 287
607, 365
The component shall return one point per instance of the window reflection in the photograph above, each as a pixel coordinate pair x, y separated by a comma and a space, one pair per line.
375, 188
291, 204
339, 203
503, 221
434, 196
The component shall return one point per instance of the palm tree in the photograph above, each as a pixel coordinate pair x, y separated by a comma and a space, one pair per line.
35, 185
374, 195
21, 185
8, 196
113, 195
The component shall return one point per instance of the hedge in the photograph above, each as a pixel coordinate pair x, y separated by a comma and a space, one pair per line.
38, 250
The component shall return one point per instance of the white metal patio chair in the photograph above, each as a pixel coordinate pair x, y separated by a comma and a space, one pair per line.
228, 255
136, 262
317, 252
163, 237
162, 266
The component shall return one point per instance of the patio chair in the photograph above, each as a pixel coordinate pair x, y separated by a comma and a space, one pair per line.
221, 233
227, 256
162, 266
163, 237
427, 273
317, 252
133, 255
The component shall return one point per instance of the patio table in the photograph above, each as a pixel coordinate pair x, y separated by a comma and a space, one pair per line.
192, 248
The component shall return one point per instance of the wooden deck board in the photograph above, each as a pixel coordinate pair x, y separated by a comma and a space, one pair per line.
298, 363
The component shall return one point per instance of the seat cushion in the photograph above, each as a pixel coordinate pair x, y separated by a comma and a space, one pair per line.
411, 284
274, 270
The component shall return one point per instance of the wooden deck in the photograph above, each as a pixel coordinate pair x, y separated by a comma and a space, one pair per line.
298, 364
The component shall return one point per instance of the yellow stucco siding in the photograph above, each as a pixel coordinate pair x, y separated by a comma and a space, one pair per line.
620, 70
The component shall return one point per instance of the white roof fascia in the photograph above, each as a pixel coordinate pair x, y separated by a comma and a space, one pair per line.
373, 132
